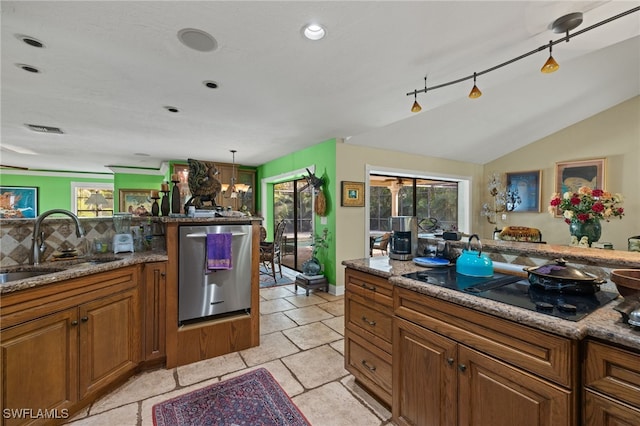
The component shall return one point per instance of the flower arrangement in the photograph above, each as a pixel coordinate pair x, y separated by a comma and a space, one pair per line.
587, 204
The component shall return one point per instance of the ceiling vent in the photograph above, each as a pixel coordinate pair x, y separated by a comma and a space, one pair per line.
44, 129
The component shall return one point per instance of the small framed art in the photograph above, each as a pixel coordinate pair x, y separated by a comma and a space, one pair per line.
352, 194
135, 201
18, 202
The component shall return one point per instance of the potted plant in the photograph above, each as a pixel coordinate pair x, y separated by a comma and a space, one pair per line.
313, 266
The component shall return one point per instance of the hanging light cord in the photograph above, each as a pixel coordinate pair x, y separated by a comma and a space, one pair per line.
539, 49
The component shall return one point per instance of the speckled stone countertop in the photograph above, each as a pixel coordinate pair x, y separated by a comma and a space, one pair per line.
605, 323
80, 267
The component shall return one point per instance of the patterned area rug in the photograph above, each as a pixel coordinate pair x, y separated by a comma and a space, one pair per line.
254, 398
266, 279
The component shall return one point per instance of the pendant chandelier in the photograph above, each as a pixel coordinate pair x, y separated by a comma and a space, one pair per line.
230, 190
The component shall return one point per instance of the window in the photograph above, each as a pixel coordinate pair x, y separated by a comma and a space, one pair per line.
413, 196
92, 199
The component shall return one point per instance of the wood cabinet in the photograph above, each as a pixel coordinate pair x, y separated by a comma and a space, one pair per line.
154, 310
611, 385
456, 366
368, 319
39, 364
63, 344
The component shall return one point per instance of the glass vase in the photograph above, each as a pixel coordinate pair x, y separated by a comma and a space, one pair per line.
590, 229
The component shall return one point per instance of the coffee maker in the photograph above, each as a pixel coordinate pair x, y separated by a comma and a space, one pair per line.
404, 238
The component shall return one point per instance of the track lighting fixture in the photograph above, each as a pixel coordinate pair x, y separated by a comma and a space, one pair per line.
475, 92
551, 65
564, 24
416, 106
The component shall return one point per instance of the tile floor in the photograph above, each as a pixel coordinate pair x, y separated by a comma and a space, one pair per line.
301, 344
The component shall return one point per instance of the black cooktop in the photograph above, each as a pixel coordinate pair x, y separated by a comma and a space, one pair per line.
516, 291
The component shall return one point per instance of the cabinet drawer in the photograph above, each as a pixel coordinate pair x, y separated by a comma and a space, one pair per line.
544, 354
369, 364
368, 318
599, 410
614, 372
369, 286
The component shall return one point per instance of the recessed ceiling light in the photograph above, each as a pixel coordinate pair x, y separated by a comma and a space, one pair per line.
30, 40
210, 84
171, 108
28, 68
314, 31
197, 39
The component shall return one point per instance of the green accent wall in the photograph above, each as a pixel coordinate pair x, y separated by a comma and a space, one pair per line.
54, 192
323, 157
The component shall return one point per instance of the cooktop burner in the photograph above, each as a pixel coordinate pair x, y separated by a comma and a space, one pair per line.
516, 291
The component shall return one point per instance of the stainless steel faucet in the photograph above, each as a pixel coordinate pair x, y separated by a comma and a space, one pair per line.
38, 246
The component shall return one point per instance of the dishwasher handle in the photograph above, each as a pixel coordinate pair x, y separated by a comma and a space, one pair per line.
203, 235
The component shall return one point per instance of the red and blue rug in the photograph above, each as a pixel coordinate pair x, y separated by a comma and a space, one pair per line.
254, 398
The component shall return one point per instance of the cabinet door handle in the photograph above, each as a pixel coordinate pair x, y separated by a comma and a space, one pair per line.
372, 288
84, 319
162, 274
450, 361
74, 322
371, 323
369, 366
462, 367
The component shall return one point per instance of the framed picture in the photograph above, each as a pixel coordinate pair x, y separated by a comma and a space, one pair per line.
571, 175
526, 186
18, 202
135, 201
352, 194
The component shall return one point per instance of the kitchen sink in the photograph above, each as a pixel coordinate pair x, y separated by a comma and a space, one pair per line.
9, 276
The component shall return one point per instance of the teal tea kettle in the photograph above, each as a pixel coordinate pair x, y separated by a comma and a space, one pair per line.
474, 263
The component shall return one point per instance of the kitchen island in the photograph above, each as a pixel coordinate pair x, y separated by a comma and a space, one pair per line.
441, 356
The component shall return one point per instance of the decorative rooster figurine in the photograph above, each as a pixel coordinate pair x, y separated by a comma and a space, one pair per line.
203, 184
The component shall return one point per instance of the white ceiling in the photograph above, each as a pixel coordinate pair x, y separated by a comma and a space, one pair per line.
109, 68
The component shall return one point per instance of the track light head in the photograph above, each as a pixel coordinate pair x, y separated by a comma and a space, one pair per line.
551, 65
475, 92
416, 106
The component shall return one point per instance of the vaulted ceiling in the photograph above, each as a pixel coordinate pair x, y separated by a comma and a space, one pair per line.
109, 69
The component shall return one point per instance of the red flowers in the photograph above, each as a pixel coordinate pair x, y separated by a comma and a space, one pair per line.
587, 204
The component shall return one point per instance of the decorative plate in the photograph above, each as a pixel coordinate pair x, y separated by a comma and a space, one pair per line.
431, 262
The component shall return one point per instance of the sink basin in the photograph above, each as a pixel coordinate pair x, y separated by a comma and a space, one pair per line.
9, 276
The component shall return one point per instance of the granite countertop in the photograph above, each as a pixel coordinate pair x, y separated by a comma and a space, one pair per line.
80, 267
605, 323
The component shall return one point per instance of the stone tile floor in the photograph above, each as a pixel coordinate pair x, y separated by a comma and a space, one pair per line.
301, 344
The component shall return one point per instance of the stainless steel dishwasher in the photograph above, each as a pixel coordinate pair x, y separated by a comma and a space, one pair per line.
203, 293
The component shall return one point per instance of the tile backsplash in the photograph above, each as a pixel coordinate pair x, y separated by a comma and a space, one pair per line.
60, 233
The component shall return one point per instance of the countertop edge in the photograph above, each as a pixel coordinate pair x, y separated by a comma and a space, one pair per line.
605, 323
77, 268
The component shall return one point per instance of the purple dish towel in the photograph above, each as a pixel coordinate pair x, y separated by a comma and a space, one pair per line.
219, 251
